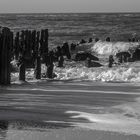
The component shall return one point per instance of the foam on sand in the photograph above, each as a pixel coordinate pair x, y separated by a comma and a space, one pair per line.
124, 118
108, 122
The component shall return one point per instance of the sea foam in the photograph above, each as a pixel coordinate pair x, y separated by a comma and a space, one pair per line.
123, 118
111, 48
128, 72
107, 122
81, 73
122, 74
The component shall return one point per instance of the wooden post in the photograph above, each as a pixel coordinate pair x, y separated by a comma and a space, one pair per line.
12, 45
16, 46
22, 66
30, 42
1, 41
37, 45
38, 68
46, 41
42, 43
38, 58
33, 45
5, 56
22, 43
22, 71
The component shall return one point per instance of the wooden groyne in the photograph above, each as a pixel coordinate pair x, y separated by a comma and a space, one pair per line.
28, 47
6, 45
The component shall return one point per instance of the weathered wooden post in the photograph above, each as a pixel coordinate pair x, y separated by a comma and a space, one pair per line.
1, 41
46, 36
12, 45
60, 61
50, 65
42, 44
37, 56
33, 45
5, 55
16, 46
22, 71
38, 68
29, 43
22, 42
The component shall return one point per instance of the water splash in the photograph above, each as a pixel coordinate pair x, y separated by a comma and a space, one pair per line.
128, 72
80, 72
108, 48
122, 74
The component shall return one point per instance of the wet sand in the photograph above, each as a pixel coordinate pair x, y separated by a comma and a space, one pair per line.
39, 110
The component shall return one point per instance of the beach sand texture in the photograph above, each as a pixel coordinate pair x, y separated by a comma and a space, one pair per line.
58, 110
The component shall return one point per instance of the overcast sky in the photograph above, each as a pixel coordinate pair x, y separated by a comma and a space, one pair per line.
40, 6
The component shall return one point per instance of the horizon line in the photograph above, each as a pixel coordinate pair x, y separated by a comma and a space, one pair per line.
127, 12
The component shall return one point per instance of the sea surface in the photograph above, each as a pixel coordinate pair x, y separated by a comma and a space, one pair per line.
72, 27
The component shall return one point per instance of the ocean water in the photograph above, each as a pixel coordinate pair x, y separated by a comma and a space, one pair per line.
78, 72
72, 27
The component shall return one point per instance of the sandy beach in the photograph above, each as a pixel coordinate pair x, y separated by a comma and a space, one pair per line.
70, 110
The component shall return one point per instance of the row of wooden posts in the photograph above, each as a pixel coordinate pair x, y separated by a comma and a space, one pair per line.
27, 47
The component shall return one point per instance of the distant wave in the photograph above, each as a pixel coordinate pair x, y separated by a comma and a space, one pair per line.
108, 48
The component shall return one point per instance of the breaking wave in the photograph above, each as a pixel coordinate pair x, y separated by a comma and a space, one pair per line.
128, 72
81, 73
108, 48
121, 74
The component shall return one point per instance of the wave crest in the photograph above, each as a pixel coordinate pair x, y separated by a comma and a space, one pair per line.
111, 48
121, 74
